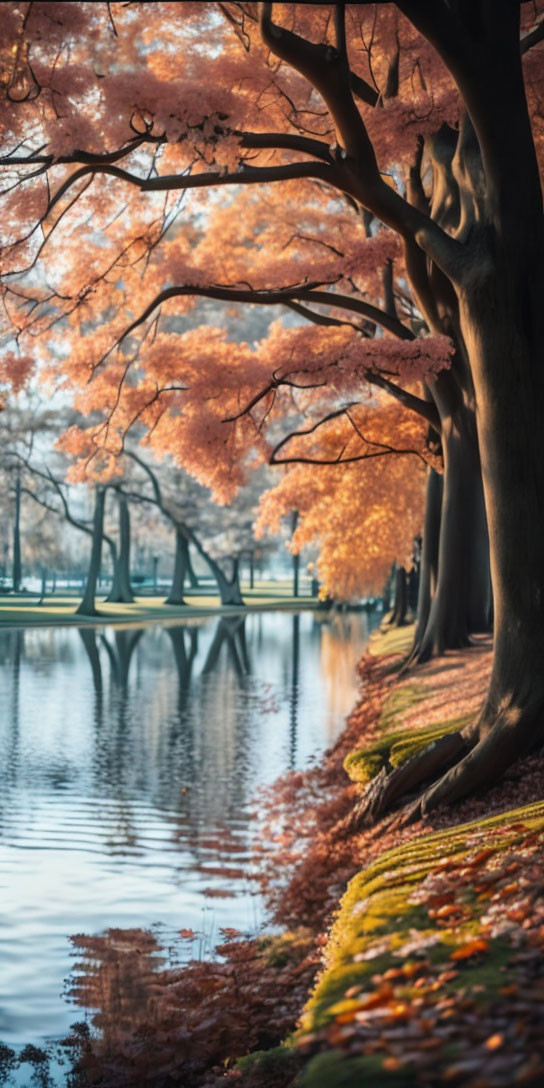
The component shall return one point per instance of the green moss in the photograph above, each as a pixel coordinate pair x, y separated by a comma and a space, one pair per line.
266, 1062
392, 640
394, 749
399, 701
376, 917
334, 1068
484, 976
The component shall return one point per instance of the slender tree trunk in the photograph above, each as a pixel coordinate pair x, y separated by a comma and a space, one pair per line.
296, 556
121, 589
400, 600
180, 569
87, 606
124, 550
115, 588
412, 587
191, 573
428, 572
17, 570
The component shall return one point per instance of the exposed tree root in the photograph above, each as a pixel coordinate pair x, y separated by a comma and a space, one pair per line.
428, 647
450, 768
388, 787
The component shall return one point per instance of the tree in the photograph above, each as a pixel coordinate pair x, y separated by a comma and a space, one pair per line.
364, 514
220, 535
445, 74
121, 589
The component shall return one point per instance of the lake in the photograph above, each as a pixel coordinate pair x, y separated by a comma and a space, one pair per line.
129, 758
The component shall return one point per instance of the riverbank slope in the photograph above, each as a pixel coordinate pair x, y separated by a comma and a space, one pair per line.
432, 970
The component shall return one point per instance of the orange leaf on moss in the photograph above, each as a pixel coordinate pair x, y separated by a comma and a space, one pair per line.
473, 948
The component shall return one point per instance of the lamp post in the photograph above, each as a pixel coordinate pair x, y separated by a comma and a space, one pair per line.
155, 568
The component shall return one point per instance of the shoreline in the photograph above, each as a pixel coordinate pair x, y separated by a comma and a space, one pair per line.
140, 613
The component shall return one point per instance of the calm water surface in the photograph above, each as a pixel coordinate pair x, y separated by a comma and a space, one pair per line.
128, 761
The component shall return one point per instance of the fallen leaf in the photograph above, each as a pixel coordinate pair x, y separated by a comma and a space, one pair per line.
473, 948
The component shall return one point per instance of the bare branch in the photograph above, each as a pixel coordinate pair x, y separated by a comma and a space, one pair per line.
247, 175
424, 408
280, 296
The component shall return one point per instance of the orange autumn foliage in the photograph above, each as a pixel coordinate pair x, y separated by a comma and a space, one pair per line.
364, 515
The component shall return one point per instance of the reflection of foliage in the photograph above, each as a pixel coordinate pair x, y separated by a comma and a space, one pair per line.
198, 1017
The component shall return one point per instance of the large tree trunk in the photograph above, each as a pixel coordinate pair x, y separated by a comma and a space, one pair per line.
503, 322
121, 589
460, 605
180, 569
87, 606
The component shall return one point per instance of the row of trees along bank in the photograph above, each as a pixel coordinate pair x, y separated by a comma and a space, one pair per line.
388, 195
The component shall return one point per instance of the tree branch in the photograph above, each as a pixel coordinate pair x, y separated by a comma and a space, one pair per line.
249, 175
425, 409
358, 173
376, 449
280, 296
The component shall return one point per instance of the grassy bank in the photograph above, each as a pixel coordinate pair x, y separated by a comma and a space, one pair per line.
28, 610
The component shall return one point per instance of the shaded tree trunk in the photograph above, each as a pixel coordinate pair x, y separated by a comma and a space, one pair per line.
121, 589
229, 588
17, 569
191, 573
180, 570
296, 556
460, 605
428, 571
87, 606
504, 321
400, 599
